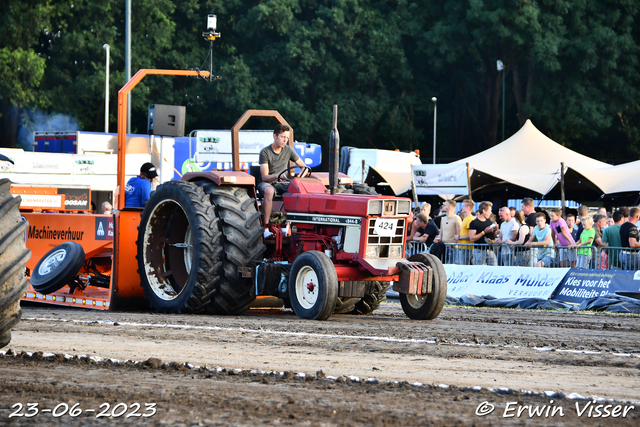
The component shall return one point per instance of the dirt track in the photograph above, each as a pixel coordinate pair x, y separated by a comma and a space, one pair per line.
402, 367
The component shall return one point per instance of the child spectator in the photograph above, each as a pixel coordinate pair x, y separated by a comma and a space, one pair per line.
586, 240
571, 225
562, 237
541, 236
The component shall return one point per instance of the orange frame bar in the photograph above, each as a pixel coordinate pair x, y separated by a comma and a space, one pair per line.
122, 116
124, 272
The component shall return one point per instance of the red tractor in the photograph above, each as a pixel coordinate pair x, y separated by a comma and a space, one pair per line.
201, 248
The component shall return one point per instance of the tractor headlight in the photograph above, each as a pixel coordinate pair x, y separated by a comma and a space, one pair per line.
373, 252
375, 207
404, 207
395, 251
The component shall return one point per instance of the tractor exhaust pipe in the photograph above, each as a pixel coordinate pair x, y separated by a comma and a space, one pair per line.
334, 149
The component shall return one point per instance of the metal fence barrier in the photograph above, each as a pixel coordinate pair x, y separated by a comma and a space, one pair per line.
586, 257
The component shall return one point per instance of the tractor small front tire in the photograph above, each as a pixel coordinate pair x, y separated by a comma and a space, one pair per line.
13, 257
57, 267
427, 307
179, 252
313, 286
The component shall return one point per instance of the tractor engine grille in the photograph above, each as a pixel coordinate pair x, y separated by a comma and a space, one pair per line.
385, 246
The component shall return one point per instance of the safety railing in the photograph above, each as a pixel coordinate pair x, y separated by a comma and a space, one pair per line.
549, 257
416, 248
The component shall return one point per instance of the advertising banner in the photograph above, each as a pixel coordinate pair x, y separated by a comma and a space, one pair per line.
440, 179
215, 145
503, 282
580, 285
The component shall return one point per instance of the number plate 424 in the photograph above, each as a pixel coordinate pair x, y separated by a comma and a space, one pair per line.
385, 227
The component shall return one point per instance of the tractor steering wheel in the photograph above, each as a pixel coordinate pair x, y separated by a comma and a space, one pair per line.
284, 175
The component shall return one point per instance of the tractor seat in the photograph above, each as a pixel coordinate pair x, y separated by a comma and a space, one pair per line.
254, 171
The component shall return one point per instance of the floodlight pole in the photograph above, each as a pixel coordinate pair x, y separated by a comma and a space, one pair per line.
211, 35
435, 116
500, 67
106, 91
127, 57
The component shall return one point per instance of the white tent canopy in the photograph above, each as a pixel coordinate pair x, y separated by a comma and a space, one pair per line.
532, 160
614, 179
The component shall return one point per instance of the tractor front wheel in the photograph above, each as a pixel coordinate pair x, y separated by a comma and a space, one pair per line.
429, 306
313, 286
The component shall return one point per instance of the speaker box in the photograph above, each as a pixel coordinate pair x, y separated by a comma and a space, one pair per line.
166, 120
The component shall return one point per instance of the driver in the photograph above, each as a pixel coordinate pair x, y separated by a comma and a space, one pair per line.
274, 159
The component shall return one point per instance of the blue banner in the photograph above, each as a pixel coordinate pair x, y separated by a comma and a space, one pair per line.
579, 285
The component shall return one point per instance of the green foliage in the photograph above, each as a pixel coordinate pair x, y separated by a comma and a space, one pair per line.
571, 66
20, 74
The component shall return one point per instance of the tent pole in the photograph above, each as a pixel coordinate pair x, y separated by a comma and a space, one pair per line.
562, 188
414, 190
469, 180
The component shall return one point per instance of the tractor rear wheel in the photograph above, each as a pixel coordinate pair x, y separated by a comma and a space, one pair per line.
371, 302
345, 305
179, 251
429, 306
13, 257
361, 188
313, 286
243, 245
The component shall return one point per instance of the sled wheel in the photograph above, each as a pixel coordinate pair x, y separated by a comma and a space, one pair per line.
57, 268
429, 306
313, 286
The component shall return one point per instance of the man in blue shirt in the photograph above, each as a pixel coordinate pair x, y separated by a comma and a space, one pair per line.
138, 189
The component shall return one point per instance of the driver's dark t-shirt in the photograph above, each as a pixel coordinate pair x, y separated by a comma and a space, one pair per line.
277, 162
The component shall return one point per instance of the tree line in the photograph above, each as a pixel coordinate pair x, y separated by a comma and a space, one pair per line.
570, 66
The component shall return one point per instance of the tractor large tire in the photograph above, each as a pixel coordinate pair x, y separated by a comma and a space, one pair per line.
371, 302
361, 188
427, 307
179, 251
243, 245
345, 305
13, 257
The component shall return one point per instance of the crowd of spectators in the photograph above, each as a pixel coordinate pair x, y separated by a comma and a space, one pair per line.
529, 237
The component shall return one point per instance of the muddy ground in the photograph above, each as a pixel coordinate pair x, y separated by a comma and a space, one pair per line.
268, 367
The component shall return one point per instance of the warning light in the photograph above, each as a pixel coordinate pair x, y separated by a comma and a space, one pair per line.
84, 301
74, 300
54, 297
94, 303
